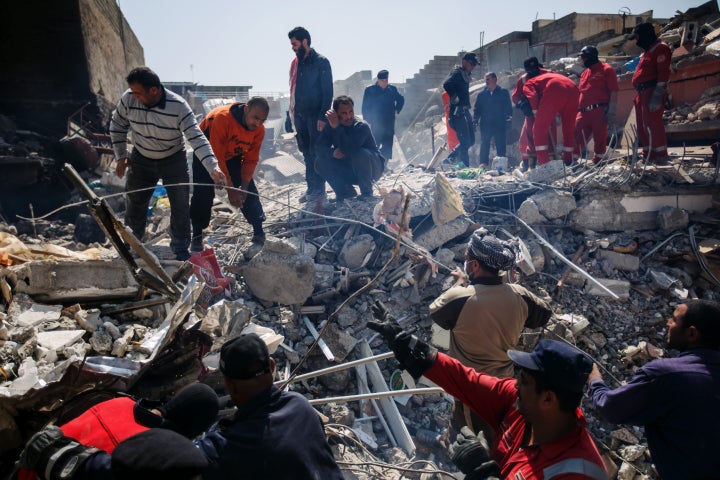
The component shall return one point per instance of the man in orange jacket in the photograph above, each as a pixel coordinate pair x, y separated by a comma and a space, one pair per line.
236, 133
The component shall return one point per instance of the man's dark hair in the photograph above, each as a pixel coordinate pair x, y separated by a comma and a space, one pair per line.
704, 315
259, 102
484, 266
143, 76
567, 399
342, 100
299, 33
491, 74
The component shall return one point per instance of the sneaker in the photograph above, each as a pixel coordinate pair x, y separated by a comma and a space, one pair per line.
258, 238
196, 244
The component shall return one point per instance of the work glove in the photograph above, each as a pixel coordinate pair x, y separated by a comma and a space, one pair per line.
471, 454
656, 100
288, 122
53, 455
414, 355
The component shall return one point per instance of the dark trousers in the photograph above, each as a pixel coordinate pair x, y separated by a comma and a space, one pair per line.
144, 173
384, 140
462, 124
202, 200
307, 134
361, 169
488, 133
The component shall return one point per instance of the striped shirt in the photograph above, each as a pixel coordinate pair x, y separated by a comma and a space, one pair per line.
157, 132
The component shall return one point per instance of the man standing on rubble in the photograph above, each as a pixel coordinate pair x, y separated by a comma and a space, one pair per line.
347, 154
236, 133
650, 80
486, 316
457, 86
492, 113
539, 428
676, 399
311, 94
274, 433
550, 94
533, 68
160, 121
381, 102
598, 101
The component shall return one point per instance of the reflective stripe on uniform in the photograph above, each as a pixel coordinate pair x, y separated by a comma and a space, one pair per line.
575, 465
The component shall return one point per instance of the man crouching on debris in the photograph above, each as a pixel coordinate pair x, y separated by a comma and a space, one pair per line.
158, 120
486, 317
236, 133
81, 448
274, 433
539, 430
346, 152
676, 399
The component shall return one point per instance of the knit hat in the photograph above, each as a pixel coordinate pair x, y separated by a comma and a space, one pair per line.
383, 75
190, 412
490, 251
244, 357
157, 454
531, 64
560, 364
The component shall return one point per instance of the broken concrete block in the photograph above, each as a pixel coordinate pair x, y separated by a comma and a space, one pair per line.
445, 256
303, 246
88, 319
280, 260
537, 255
547, 173
672, 219
112, 330
356, 251
632, 452
59, 339
620, 261
340, 413
621, 288
283, 169
554, 203
101, 342
624, 435
529, 212
576, 323
439, 235
626, 471
37, 314
339, 342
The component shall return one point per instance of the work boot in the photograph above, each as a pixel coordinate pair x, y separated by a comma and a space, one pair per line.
197, 244
182, 255
259, 238
525, 167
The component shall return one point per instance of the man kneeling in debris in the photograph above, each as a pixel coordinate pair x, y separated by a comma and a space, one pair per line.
236, 133
346, 152
486, 317
82, 446
676, 399
540, 431
273, 433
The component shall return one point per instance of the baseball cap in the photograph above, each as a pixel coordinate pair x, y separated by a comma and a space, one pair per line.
383, 74
190, 412
470, 57
560, 364
532, 63
643, 28
157, 454
244, 357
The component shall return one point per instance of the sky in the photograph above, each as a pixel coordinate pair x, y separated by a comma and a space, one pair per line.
235, 42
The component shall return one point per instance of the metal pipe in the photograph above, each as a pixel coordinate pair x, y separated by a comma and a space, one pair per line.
342, 366
369, 396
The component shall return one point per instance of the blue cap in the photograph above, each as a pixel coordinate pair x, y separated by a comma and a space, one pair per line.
560, 364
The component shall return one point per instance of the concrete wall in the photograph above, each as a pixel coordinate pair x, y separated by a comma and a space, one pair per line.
58, 56
354, 87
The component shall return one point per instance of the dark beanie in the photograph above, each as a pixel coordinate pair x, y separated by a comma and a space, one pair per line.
192, 410
157, 454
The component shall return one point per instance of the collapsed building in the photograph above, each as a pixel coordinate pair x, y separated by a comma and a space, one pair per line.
87, 311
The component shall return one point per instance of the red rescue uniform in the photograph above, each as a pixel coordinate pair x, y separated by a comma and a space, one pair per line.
551, 94
571, 457
525, 142
597, 84
654, 67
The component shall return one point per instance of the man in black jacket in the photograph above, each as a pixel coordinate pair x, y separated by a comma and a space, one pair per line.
493, 111
311, 87
381, 102
457, 85
346, 152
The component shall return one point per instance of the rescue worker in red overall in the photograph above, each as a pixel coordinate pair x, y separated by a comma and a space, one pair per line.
550, 94
650, 80
598, 101
540, 431
533, 68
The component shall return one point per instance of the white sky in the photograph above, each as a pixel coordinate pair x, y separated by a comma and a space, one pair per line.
236, 42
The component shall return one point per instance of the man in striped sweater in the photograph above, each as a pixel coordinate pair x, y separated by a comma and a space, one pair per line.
160, 121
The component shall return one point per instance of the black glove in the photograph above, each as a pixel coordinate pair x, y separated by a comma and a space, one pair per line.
288, 122
471, 454
53, 455
524, 105
414, 355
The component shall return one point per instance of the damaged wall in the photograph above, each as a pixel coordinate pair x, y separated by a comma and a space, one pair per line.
58, 56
